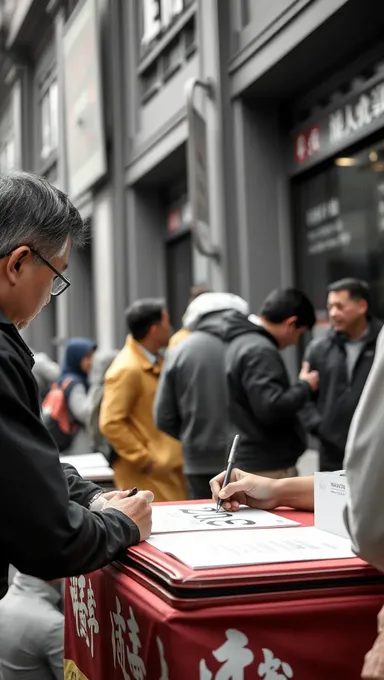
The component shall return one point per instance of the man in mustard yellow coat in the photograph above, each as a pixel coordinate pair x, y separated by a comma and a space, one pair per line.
146, 457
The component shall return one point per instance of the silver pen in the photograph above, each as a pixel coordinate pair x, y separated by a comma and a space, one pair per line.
230, 464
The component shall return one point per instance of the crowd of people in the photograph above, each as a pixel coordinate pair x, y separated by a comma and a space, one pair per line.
164, 411
165, 408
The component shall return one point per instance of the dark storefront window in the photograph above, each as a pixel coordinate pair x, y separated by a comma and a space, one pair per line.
339, 226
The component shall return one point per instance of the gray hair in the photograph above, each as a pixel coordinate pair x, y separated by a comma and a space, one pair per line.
37, 214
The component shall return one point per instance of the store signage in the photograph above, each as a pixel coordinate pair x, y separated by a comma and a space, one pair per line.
307, 143
157, 16
359, 115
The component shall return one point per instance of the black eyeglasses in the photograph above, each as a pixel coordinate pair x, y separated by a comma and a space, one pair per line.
59, 284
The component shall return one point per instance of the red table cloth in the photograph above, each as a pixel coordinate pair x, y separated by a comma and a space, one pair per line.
156, 619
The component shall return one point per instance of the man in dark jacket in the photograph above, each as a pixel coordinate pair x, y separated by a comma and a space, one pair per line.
343, 359
191, 401
263, 405
46, 530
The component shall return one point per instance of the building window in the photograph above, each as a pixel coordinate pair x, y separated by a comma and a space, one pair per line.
49, 121
162, 52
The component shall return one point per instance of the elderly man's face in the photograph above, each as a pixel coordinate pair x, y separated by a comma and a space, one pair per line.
29, 284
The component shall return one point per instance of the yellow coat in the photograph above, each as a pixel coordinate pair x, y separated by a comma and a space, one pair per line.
126, 420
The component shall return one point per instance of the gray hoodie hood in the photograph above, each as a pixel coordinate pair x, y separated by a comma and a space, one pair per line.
208, 303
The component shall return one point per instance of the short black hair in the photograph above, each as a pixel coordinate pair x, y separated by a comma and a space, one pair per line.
357, 289
282, 304
143, 314
34, 213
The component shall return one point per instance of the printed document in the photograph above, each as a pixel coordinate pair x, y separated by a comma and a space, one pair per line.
203, 516
260, 546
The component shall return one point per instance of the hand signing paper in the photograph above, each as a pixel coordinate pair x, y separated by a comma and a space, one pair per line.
262, 492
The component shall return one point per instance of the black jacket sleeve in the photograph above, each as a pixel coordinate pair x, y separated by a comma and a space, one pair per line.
265, 382
81, 491
43, 532
309, 414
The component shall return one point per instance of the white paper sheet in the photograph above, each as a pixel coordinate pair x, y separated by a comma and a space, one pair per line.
203, 517
257, 546
86, 461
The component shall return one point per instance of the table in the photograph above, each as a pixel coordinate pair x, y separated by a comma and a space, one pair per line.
153, 618
93, 467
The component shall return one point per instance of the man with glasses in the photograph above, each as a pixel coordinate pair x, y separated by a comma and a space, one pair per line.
46, 529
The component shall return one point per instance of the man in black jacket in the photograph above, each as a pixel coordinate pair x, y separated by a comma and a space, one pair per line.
46, 529
343, 359
263, 405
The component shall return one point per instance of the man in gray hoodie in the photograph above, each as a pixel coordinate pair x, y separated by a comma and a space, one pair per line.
191, 401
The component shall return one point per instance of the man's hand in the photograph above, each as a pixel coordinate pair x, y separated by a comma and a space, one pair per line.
245, 489
98, 504
310, 377
137, 508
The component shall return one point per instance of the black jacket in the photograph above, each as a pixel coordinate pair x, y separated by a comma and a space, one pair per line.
263, 405
328, 415
45, 530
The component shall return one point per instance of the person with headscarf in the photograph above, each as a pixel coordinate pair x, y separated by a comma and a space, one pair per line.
74, 379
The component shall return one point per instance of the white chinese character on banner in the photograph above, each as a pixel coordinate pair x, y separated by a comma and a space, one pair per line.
351, 124
84, 612
314, 141
336, 127
301, 147
363, 111
377, 101
233, 655
163, 662
118, 646
93, 623
136, 663
269, 669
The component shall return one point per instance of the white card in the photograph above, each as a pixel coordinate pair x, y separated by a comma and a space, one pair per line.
260, 546
203, 517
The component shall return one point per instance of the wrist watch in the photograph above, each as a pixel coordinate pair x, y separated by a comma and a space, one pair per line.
94, 498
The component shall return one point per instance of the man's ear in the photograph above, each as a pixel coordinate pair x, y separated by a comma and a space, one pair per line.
15, 262
292, 322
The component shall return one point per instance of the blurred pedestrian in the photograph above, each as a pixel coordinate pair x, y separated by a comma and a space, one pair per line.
263, 405
343, 359
32, 630
101, 362
185, 330
72, 389
191, 402
46, 372
145, 456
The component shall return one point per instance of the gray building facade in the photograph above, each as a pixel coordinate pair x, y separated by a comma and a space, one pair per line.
93, 95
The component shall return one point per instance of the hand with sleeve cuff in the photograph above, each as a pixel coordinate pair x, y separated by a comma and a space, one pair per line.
137, 508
